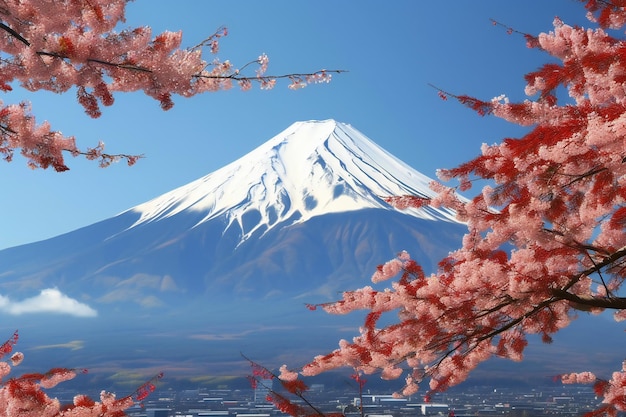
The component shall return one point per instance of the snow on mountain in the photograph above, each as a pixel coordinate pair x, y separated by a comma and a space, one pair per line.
310, 169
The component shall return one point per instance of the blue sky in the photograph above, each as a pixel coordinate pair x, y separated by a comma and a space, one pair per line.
392, 51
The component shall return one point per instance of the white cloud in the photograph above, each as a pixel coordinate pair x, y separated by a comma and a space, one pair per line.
73, 345
50, 300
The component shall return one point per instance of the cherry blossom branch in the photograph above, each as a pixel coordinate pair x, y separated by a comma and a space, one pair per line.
14, 33
25, 394
615, 303
147, 388
211, 41
321, 75
238, 77
293, 385
604, 285
96, 61
105, 158
96, 153
317, 76
607, 261
558, 294
531, 40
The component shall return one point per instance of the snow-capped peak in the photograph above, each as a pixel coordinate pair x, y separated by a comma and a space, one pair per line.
309, 169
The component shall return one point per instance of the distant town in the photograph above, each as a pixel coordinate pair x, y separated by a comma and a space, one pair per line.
554, 400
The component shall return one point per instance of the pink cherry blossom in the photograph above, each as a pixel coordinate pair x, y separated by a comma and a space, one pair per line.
56, 46
287, 375
545, 238
578, 378
26, 395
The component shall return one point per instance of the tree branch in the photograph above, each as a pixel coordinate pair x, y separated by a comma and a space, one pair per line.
13, 33
234, 76
615, 303
97, 61
620, 253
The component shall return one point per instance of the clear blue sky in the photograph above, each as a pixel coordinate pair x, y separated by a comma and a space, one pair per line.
392, 50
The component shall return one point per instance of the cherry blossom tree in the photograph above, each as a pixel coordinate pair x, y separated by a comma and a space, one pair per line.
63, 45
546, 238
25, 395
58, 45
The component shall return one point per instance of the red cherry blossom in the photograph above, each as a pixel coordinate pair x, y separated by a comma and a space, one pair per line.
546, 237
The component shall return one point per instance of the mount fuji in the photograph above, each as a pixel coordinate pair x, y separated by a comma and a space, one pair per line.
185, 282
226, 263
301, 216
